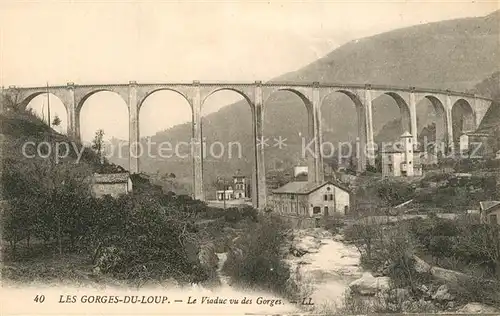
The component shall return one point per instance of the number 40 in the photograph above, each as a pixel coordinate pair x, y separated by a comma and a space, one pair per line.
39, 298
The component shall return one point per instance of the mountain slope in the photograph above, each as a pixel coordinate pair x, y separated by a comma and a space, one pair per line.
456, 54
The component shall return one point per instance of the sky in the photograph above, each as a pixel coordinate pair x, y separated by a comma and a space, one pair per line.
56, 42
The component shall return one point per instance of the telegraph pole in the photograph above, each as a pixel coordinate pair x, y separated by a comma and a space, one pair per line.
59, 234
48, 104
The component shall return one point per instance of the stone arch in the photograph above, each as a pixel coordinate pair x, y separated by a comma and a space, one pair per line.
223, 155
441, 118
27, 97
353, 96
309, 129
154, 106
436, 102
240, 92
25, 102
81, 101
307, 102
467, 120
403, 106
149, 93
360, 122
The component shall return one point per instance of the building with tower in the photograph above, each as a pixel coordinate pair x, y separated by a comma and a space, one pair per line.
241, 186
237, 189
401, 159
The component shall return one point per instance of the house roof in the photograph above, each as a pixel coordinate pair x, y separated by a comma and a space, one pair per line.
477, 134
487, 205
406, 134
111, 177
304, 187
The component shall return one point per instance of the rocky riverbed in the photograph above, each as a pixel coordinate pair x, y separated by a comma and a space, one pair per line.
325, 265
326, 269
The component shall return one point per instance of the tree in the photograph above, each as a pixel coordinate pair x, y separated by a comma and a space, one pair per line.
97, 143
494, 140
364, 236
378, 163
56, 121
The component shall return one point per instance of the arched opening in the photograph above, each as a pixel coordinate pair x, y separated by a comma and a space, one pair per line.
462, 117
431, 126
287, 128
391, 118
165, 129
343, 130
228, 147
106, 111
42, 103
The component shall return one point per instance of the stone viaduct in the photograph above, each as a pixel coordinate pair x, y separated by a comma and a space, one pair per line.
73, 97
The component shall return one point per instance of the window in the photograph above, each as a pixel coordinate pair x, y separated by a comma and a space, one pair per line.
316, 210
325, 197
292, 197
331, 197
328, 188
326, 210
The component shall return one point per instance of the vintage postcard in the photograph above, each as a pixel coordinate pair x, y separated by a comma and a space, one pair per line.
249, 157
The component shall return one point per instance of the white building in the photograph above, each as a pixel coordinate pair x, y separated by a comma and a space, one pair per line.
489, 212
299, 170
401, 159
305, 199
113, 184
241, 186
225, 195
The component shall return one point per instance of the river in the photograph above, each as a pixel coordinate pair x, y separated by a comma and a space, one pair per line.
328, 268
326, 271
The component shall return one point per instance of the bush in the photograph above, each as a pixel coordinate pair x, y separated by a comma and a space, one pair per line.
395, 192
477, 289
334, 225
234, 214
258, 257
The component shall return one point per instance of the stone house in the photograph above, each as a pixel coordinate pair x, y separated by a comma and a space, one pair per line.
114, 184
489, 212
401, 159
300, 198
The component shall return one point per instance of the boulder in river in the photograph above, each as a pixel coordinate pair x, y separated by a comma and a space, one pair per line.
421, 266
478, 308
370, 285
303, 245
442, 294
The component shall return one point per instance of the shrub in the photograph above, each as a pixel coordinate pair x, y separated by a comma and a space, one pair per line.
257, 258
395, 192
364, 237
234, 214
478, 289
334, 225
